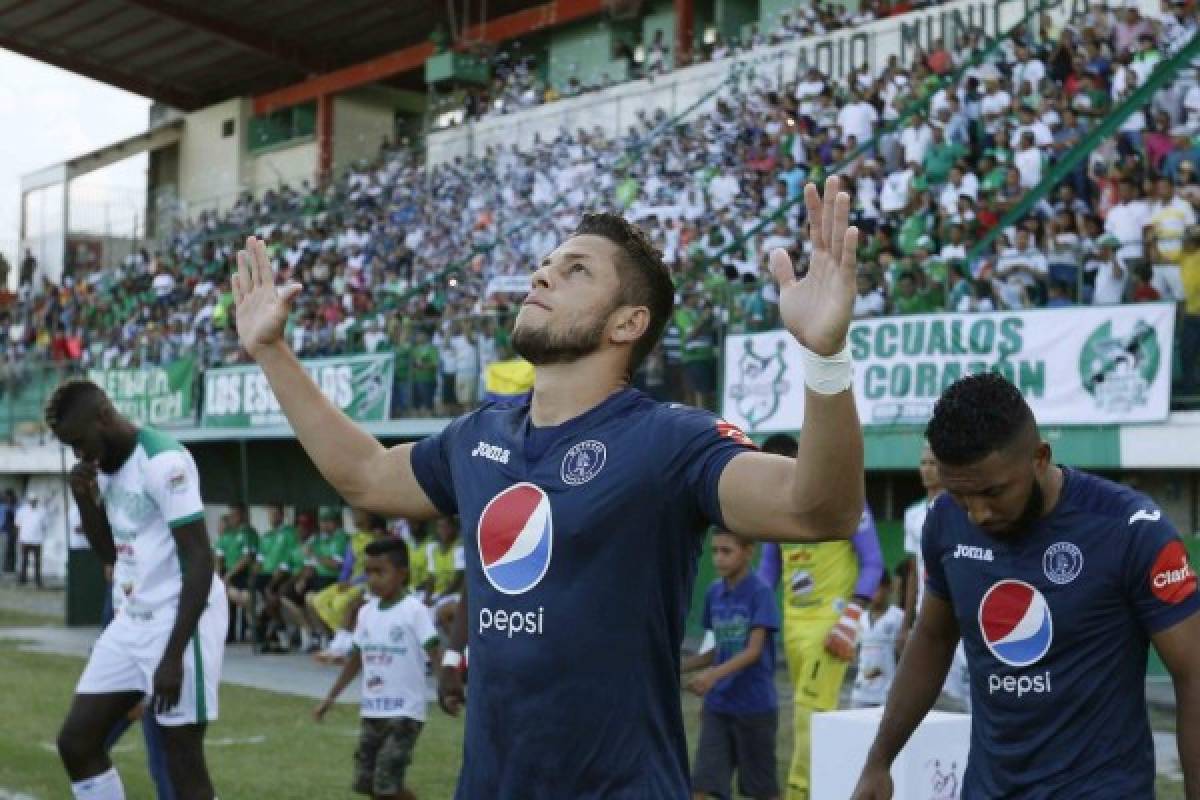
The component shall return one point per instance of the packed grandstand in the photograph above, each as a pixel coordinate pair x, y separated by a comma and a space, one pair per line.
426, 261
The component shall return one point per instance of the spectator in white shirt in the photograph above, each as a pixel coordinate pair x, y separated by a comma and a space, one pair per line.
869, 301
915, 139
1111, 273
31, 532
466, 364
1027, 67
723, 189
1127, 221
858, 118
1028, 161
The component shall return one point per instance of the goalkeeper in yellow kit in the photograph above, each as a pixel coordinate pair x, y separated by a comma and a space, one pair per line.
826, 586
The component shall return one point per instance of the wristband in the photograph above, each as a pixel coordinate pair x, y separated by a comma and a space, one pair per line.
828, 374
452, 659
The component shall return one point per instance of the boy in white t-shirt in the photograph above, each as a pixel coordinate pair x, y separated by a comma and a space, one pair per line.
391, 639
878, 631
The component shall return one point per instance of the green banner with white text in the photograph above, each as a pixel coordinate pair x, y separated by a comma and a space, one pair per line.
1098, 365
240, 397
158, 396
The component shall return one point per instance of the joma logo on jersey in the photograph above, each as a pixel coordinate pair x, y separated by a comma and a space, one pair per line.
491, 452
973, 552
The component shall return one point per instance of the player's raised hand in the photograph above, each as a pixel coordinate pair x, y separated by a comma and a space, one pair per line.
818, 307
261, 307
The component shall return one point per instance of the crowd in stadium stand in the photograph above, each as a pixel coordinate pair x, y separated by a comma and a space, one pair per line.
516, 84
394, 256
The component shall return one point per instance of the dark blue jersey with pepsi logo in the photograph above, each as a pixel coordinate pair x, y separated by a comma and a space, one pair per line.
581, 546
1056, 624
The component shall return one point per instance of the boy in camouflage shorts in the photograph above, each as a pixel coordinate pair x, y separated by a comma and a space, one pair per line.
393, 634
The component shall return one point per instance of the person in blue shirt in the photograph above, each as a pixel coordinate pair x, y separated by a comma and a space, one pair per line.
741, 708
1057, 582
584, 510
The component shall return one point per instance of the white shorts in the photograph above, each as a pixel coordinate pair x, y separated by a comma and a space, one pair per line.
128, 652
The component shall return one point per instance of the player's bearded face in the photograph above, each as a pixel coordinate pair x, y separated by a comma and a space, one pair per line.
556, 342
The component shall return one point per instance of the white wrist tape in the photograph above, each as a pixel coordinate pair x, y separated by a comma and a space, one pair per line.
452, 659
828, 374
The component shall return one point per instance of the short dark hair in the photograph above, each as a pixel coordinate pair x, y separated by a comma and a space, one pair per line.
394, 549
781, 444
644, 278
743, 541
72, 395
976, 416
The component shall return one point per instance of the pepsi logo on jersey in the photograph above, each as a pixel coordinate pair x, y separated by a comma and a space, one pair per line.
1015, 621
516, 541
1172, 578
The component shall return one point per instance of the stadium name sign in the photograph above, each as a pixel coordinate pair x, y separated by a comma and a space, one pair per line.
152, 395
1082, 366
240, 397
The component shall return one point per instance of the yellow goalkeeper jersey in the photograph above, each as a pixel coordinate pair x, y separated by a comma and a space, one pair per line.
817, 578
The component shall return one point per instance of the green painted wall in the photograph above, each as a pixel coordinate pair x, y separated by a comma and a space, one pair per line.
730, 16
588, 46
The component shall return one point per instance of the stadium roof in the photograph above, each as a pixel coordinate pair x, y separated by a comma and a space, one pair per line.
190, 55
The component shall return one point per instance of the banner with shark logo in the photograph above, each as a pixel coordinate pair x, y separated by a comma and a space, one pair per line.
1077, 366
240, 397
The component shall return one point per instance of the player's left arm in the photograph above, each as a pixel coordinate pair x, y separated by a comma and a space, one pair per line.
702, 683
825, 490
825, 493
195, 556
1177, 648
1162, 587
173, 483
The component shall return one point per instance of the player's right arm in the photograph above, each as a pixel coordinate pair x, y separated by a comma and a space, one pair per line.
86, 491
349, 671
365, 473
918, 682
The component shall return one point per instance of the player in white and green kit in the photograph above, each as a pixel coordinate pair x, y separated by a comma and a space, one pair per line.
138, 494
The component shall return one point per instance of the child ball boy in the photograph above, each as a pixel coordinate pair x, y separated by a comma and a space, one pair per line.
741, 709
391, 639
878, 631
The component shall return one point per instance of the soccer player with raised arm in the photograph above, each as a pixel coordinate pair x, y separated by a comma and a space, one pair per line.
138, 494
1057, 582
574, 676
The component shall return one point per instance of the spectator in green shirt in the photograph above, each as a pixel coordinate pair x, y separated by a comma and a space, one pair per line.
323, 555
278, 555
236, 548
698, 335
423, 365
236, 551
940, 157
401, 350
907, 299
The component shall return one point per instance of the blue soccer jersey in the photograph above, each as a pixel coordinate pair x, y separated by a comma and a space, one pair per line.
581, 548
731, 614
1056, 625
